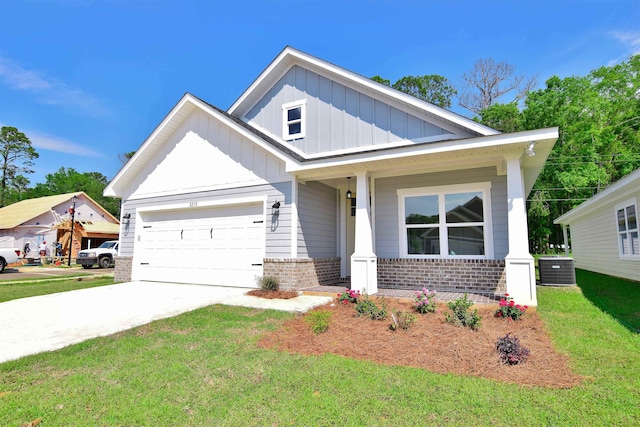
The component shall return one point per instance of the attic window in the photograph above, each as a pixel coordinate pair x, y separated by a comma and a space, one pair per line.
293, 120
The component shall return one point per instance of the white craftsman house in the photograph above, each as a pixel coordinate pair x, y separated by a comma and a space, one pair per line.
318, 175
605, 232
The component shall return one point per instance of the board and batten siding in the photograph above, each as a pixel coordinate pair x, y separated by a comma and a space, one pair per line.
386, 205
594, 241
337, 117
278, 235
317, 212
202, 154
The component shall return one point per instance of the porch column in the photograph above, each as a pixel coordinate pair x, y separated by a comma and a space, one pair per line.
519, 264
364, 263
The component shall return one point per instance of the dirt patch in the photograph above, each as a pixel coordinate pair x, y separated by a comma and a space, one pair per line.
432, 344
272, 294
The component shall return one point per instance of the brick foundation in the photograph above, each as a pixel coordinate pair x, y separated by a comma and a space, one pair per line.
485, 276
122, 271
302, 273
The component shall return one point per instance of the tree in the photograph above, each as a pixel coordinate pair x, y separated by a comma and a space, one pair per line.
599, 142
431, 88
503, 117
125, 157
488, 81
68, 180
17, 155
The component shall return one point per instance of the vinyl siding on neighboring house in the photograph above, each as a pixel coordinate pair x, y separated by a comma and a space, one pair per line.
386, 205
317, 236
337, 117
278, 236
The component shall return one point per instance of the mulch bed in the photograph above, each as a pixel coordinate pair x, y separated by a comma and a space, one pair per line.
432, 344
272, 294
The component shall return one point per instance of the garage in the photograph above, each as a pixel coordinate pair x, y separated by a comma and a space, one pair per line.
212, 245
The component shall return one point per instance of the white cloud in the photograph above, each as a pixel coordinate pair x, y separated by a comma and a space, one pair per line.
629, 38
54, 143
49, 91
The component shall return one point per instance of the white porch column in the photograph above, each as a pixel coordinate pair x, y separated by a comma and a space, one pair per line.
364, 263
565, 237
519, 264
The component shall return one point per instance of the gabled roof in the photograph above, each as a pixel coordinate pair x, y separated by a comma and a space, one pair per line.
621, 188
20, 212
290, 57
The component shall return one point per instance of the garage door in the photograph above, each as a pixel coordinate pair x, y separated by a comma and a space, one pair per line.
211, 246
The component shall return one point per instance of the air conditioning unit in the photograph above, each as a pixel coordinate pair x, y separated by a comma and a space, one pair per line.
557, 271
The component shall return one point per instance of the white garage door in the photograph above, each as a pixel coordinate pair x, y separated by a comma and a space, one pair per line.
210, 246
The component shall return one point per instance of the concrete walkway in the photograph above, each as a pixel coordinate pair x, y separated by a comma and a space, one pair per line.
49, 322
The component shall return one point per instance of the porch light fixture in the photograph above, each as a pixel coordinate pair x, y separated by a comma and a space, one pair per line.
275, 208
529, 151
349, 193
126, 216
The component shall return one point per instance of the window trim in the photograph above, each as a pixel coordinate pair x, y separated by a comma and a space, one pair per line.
302, 104
441, 191
624, 205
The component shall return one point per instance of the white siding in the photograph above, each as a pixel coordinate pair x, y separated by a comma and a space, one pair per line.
337, 116
386, 205
594, 241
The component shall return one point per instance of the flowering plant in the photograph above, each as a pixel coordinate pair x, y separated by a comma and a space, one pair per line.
509, 309
348, 296
425, 301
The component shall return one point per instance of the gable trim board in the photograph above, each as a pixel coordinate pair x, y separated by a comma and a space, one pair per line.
310, 186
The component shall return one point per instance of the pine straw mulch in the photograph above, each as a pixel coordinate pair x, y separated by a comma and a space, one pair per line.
261, 293
431, 343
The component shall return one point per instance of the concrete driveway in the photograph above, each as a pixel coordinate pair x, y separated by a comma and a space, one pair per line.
49, 322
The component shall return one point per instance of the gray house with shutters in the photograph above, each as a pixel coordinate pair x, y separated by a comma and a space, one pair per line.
318, 175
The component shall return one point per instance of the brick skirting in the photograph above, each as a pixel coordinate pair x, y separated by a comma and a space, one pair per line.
122, 271
453, 275
302, 273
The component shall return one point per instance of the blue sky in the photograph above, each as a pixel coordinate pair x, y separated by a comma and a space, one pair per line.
86, 80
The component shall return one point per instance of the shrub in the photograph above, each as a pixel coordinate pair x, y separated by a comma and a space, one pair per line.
348, 296
366, 307
509, 309
461, 315
401, 319
425, 301
268, 283
318, 320
511, 351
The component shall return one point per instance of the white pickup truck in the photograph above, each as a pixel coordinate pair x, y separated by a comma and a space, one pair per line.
104, 255
8, 256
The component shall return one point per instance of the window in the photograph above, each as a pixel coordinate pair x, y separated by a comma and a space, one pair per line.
627, 220
293, 120
451, 221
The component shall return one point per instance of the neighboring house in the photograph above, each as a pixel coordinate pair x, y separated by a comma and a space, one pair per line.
318, 175
604, 230
47, 219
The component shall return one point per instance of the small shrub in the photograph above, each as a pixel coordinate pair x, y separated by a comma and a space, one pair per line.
401, 319
268, 283
461, 315
318, 320
366, 307
509, 309
425, 301
511, 351
348, 296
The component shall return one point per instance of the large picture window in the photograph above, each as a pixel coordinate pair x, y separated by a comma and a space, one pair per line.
627, 222
451, 221
293, 120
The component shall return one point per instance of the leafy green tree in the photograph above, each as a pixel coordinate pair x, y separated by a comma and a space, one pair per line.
432, 88
503, 117
16, 154
68, 180
125, 157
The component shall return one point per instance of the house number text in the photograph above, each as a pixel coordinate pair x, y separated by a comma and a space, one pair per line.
193, 204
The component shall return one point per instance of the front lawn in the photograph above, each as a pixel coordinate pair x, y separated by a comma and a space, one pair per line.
32, 288
204, 368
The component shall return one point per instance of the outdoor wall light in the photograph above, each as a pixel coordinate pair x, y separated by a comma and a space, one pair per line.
126, 216
349, 193
275, 208
529, 151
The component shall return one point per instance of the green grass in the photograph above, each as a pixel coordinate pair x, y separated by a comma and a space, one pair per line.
24, 289
203, 368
